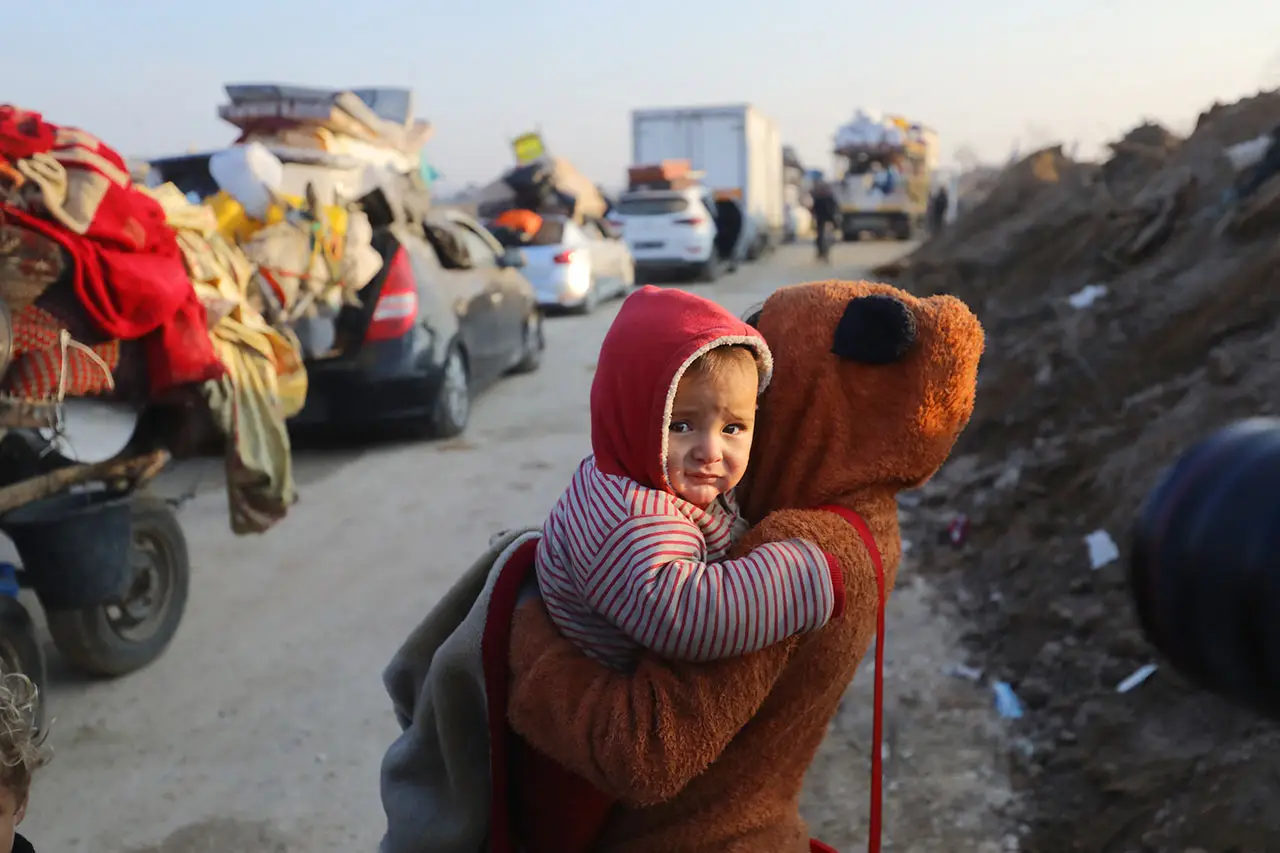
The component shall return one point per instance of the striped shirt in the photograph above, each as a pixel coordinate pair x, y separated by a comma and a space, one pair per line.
623, 567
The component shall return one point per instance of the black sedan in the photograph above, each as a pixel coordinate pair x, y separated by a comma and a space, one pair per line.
449, 313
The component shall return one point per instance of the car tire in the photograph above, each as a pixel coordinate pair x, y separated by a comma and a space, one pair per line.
93, 638
590, 301
452, 407
711, 270
534, 343
20, 651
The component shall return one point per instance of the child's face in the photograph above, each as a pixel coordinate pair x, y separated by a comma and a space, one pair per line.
12, 811
712, 420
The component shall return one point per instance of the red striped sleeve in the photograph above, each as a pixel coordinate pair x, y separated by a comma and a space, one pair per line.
649, 579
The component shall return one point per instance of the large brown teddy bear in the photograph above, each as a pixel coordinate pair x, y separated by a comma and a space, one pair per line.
871, 388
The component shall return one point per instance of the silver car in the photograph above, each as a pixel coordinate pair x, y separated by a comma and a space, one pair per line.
576, 266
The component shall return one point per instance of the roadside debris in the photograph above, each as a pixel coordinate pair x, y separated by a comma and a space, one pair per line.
1087, 295
1139, 676
960, 670
1102, 549
1007, 703
1093, 394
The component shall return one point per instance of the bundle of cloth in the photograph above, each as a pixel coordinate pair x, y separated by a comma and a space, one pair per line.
869, 129
312, 256
152, 301
127, 271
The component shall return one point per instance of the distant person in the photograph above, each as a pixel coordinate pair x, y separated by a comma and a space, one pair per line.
938, 206
826, 216
20, 756
632, 556
887, 178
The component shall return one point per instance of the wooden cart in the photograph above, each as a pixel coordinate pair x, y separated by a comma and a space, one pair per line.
107, 563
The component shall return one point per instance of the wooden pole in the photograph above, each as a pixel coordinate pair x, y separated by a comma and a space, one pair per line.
135, 471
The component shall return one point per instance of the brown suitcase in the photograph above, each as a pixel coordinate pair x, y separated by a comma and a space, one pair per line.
668, 172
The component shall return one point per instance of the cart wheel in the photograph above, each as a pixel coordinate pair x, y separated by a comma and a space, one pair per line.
20, 651
121, 637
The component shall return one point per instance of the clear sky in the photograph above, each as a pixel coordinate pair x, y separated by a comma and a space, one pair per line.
146, 75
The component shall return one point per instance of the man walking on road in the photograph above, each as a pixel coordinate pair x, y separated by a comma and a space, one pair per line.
826, 213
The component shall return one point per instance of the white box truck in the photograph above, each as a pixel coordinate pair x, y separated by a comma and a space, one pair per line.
737, 148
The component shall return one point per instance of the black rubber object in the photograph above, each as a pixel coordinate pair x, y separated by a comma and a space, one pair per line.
1205, 565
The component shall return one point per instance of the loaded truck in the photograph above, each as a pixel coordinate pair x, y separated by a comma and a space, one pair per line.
883, 175
737, 149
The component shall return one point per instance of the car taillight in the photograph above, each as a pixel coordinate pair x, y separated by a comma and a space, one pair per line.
692, 220
397, 307
567, 257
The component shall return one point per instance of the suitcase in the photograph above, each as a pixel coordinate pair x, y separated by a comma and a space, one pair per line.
668, 171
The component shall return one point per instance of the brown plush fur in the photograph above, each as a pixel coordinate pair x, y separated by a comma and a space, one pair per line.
712, 756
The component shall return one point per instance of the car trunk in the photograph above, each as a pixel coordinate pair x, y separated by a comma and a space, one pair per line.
339, 336
540, 250
321, 337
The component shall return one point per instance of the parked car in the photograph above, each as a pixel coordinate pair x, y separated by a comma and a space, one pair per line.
575, 266
685, 232
449, 314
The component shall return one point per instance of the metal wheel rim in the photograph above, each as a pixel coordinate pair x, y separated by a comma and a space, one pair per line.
456, 400
139, 614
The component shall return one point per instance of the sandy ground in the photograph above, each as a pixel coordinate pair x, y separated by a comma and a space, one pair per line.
263, 726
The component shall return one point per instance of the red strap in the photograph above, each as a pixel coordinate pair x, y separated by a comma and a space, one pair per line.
877, 719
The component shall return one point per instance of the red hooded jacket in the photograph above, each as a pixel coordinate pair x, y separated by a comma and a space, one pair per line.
624, 563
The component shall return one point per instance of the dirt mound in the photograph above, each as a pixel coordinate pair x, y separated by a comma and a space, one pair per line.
1131, 307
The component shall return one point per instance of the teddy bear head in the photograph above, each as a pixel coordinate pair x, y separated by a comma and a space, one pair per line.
871, 388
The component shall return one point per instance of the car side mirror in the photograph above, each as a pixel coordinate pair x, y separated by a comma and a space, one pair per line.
512, 258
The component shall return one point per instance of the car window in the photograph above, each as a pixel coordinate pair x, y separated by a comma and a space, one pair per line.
191, 175
482, 254
552, 233
449, 243
652, 205
609, 230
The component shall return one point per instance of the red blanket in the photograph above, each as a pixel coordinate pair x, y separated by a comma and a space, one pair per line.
129, 272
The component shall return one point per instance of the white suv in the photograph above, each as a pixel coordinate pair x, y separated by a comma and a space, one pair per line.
671, 232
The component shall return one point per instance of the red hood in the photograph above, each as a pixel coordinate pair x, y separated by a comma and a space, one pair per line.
655, 337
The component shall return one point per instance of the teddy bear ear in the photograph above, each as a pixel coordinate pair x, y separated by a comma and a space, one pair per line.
876, 329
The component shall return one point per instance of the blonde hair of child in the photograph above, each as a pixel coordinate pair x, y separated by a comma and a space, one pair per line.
21, 746
715, 362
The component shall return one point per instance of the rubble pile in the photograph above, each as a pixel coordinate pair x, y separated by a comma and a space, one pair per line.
1131, 307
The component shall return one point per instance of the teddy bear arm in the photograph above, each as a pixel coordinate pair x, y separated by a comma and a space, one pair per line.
835, 536
639, 737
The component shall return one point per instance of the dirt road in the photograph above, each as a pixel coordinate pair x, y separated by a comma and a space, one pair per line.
263, 727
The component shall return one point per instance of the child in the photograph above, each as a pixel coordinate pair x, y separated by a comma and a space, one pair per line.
631, 556
20, 756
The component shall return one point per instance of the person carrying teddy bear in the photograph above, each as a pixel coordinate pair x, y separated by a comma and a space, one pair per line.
515, 739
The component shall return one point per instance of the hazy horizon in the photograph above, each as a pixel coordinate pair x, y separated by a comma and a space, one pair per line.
988, 75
